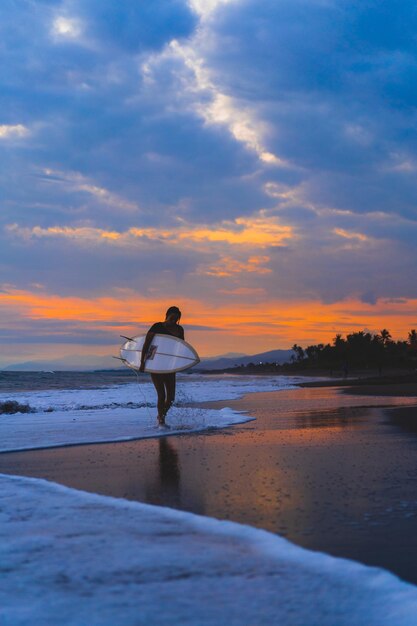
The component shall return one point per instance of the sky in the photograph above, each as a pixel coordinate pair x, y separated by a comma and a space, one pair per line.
253, 163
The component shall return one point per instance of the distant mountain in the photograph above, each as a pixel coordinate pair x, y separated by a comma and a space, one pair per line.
228, 355
273, 356
95, 362
68, 363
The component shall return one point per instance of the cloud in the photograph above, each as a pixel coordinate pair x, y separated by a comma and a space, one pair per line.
76, 182
218, 108
272, 322
220, 151
134, 26
228, 266
66, 28
322, 76
156, 260
8, 131
205, 8
256, 231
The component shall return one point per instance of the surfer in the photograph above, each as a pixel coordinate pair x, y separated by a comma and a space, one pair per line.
163, 383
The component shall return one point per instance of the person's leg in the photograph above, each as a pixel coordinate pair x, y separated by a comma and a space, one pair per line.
158, 381
169, 381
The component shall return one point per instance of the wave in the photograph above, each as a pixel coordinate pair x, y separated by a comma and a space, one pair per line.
109, 405
134, 396
10, 407
191, 558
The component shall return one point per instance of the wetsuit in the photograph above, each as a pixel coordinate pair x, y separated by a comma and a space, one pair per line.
165, 383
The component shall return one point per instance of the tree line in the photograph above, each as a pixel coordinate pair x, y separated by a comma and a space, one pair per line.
359, 350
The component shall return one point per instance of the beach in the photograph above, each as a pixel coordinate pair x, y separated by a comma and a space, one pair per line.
331, 470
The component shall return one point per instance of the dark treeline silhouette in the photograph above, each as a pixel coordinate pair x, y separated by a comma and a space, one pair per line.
360, 350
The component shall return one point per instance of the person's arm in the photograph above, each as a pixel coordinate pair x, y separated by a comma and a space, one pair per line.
145, 349
181, 335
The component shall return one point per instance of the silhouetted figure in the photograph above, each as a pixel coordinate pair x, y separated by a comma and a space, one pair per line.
163, 383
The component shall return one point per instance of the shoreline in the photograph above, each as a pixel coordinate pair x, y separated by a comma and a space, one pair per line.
389, 385
90, 557
318, 466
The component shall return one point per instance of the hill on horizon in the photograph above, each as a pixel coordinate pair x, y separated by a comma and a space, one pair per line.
271, 356
70, 363
94, 362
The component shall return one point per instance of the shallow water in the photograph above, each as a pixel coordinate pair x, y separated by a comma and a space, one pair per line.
330, 472
17, 382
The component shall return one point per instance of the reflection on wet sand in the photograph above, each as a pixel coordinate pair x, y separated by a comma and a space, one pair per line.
406, 419
164, 488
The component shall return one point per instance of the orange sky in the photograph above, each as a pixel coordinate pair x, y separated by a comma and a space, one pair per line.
247, 328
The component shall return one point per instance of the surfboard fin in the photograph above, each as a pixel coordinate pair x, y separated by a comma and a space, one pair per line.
128, 338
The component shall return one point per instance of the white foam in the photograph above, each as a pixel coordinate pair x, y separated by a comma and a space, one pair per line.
81, 558
123, 412
62, 428
189, 389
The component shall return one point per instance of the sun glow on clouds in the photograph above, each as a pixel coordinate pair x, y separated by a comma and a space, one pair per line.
272, 323
349, 235
232, 242
228, 266
255, 232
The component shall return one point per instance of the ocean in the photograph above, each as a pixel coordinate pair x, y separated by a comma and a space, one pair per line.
45, 409
101, 560
11, 382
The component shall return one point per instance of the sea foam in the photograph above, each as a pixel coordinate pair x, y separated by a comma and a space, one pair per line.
123, 412
86, 559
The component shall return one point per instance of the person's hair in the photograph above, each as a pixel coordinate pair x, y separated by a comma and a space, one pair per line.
173, 309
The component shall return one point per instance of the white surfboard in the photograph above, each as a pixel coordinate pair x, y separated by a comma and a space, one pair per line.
166, 354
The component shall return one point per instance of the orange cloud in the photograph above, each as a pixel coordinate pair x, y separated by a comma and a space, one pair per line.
82, 233
227, 266
262, 232
257, 232
346, 234
247, 322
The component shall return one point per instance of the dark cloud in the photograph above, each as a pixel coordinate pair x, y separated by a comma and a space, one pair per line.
335, 269
23, 330
337, 82
66, 267
134, 26
90, 111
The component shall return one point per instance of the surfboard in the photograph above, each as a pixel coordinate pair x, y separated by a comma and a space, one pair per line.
166, 354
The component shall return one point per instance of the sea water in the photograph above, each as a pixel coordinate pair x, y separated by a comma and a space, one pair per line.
64, 391
73, 407
84, 550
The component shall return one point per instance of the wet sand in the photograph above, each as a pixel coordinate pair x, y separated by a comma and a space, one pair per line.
328, 470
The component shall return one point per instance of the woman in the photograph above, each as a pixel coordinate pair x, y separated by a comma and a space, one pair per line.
164, 383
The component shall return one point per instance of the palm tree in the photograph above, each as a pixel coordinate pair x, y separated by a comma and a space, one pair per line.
412, 341
299, 352
386, 337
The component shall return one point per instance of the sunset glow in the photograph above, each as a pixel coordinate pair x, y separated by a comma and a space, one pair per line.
199, 155
270, 323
